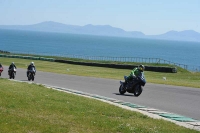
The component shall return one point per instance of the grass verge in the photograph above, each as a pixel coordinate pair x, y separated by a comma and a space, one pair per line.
34, 108
182, 78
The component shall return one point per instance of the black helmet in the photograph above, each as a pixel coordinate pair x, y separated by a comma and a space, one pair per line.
141, 67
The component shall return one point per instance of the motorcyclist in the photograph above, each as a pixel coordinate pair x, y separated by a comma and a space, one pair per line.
135, 72
12, 65
30, 67
1, 70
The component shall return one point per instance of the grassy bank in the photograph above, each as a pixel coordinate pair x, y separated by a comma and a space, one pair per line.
182, 78
33, 108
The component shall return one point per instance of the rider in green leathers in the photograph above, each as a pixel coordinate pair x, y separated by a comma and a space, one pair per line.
135, 72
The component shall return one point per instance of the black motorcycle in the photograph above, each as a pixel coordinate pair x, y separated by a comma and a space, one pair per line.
12, 73
134, 86
31, 74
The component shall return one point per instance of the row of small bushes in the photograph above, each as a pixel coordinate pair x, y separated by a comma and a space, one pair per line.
122, 66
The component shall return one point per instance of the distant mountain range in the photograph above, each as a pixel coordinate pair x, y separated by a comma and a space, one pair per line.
104, 30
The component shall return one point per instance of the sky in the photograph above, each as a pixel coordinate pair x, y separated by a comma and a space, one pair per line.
151, 17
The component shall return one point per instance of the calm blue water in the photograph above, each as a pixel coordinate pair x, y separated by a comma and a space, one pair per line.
71, 44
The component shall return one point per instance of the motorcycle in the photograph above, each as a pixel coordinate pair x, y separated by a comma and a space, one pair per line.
31, 74
1, 70
12, 73
134, 86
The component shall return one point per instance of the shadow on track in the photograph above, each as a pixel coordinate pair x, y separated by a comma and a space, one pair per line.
26, 80
124, 94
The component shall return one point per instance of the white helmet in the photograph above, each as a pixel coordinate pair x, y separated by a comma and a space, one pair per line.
32, 63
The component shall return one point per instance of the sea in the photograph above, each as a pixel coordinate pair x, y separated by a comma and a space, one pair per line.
64, 44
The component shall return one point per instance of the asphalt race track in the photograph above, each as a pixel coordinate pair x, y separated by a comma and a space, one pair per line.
179, 100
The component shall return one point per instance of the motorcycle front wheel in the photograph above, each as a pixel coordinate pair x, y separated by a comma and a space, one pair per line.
137, 90
32, 77
13, 75
121, 90
29, 76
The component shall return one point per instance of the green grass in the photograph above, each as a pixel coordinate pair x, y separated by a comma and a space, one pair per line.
182, 78
30, 108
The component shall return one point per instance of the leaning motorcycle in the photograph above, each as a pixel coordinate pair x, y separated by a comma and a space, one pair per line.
31, 74
134, 86
1, 70
12, 73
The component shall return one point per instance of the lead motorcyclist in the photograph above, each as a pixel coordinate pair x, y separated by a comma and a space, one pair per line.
135, 72
12, 65
30, 68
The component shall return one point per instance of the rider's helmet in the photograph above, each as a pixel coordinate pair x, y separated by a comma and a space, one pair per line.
141, 67
12, 63
32, 63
